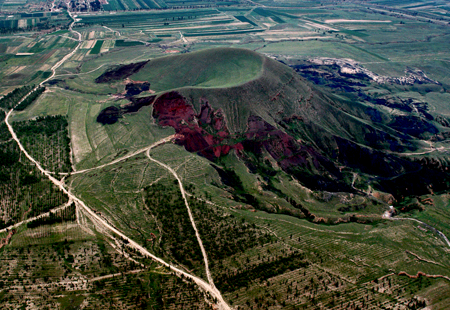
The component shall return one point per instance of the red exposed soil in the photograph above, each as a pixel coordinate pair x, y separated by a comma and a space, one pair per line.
427, 201
420, 273
280, 145
205, 133
285, 149
4, 241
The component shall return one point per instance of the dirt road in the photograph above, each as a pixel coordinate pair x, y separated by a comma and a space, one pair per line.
147, 148
36, 217
444, 237
191, 217
210, 288
100, 222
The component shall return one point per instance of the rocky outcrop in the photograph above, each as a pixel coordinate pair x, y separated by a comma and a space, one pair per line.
120, 72
205, 133
352, 68
111, 114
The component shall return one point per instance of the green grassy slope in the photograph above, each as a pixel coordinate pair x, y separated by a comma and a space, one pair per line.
209, 68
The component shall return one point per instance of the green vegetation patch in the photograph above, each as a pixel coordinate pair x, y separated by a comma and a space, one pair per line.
145, 17
46, 256
221, 33
270, 14
11, 99
71, 301
165, 202
122, 43
210, 68
97, 47
65, 215
261, 271
46, 74
244, 19
223, 234
26, 192
373, 54
356, 33
59, 32
47, 140
30, 99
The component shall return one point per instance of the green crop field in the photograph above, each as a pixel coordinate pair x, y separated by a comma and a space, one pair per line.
122, 43
133, 18
97, 47
244, 19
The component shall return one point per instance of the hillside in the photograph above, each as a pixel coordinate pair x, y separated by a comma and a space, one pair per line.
219, 100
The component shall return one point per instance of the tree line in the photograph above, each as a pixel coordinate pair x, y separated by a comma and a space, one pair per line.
30, 99
65, 215
11, 99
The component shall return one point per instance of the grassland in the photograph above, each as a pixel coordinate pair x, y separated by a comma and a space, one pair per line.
237, 71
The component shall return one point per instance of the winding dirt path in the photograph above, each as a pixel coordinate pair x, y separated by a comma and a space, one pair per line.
147, 148
183, 38
207, 287
53, 69
114, 31
210, 288
63, 60
82, 73
37, 217
191, 217
423, 274
444, 237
